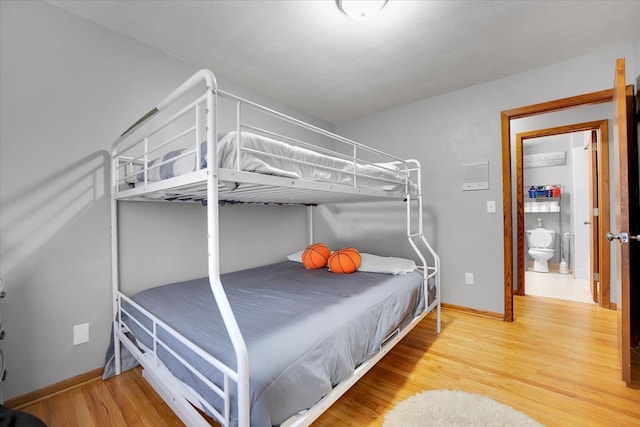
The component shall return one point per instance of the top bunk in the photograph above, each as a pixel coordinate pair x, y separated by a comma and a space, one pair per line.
201, 143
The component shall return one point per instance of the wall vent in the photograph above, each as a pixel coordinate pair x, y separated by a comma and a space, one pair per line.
475, 176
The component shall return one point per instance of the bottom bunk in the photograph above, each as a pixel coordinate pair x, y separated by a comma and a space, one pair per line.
308, 333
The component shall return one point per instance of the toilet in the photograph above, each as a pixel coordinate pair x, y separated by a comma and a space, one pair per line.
541, 249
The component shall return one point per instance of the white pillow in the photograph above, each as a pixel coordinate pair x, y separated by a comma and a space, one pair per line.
375, 263
389, 265
297, 257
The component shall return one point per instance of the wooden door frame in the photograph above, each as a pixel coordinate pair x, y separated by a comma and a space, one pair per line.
505, 119
596, 244
603, 199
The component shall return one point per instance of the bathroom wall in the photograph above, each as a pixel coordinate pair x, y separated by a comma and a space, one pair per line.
552, 175
581, 227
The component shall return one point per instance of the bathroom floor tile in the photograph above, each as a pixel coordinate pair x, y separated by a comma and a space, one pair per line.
555, 285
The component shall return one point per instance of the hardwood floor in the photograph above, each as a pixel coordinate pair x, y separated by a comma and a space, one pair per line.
558, 362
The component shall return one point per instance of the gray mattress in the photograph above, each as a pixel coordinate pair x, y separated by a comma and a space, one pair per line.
305, 330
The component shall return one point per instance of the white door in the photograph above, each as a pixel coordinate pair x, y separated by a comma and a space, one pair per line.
580, 214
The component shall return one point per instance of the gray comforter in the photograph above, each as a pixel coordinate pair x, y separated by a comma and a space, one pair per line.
305, 330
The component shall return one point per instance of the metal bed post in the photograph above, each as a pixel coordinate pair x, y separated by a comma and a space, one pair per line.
436, 260
114, 263
213, 235
420, 235
355, 167
238, 134
198, 140
310, 224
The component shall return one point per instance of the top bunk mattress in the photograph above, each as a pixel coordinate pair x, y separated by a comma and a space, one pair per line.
267, 156
305, 330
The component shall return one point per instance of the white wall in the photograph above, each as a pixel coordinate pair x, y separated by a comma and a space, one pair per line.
447, 131
69, 88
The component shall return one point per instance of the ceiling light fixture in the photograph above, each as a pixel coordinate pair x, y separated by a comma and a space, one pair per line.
360, 9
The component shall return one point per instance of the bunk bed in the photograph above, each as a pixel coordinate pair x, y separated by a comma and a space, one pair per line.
274, 344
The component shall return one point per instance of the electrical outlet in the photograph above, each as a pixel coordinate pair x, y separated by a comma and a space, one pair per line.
468, 279
80, 334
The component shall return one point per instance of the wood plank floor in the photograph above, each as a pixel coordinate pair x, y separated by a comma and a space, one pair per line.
558, 362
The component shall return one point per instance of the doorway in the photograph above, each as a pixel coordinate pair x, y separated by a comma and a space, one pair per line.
510, 264
573, 160
625, 178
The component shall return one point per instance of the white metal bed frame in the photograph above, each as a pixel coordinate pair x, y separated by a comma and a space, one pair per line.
207, 185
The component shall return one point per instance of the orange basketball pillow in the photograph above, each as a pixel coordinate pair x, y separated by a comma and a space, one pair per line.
315, 256
344, 261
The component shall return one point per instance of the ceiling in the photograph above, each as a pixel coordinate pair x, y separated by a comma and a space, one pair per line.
309, 55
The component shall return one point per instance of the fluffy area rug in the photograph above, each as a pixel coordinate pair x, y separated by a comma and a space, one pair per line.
452, 408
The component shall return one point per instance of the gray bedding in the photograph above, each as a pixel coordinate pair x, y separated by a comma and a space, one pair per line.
305, 330
264, 155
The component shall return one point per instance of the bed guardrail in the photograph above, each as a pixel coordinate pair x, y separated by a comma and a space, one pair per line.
151, 355
179, 138
240, 102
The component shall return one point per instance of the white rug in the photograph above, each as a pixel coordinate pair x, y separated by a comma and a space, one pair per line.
453, 408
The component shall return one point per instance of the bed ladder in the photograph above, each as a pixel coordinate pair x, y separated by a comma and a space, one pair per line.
416, 238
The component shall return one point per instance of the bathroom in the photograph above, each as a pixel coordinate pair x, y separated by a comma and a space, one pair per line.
556, 173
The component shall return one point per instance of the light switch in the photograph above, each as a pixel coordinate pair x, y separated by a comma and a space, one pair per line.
491, 206
468, 279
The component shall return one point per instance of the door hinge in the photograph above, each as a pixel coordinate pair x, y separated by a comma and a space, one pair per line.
596, 277
595, 211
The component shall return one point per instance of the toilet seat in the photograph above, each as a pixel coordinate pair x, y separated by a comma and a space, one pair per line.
541, 250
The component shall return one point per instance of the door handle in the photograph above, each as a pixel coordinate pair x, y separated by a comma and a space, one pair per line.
623, 237
587, 223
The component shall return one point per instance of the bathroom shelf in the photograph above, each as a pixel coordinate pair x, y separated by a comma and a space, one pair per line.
552, 209
542, 205
542, 199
